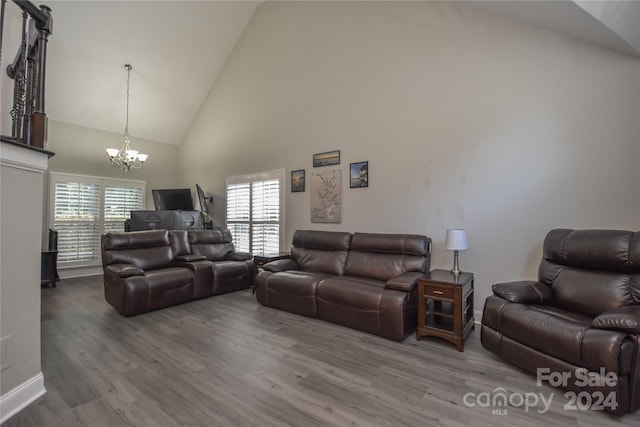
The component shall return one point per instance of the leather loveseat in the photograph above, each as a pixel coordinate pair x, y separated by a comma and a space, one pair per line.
578, 325
148, 270
364, 281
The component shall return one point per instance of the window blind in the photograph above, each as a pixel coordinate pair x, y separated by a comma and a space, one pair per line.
254, 211
118, 204
82, 208
76, 218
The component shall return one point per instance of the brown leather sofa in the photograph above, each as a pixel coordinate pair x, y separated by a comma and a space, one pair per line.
580, 319
148, 270
364, 281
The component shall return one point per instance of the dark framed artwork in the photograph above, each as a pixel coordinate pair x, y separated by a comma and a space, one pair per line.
297, 181
359, 175
326, 159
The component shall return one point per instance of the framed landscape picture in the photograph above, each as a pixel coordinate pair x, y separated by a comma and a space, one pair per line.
359, 175
326, 159
297, 181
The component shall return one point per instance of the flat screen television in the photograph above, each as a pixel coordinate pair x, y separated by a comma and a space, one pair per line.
173, 199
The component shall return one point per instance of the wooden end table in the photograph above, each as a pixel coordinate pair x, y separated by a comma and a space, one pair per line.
445, 306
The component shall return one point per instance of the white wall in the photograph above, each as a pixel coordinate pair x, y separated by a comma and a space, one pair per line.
81, 150
467, 119
21, 380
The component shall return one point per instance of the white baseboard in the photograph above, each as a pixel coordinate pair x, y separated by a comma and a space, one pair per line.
20, 397
72, 272
477, 315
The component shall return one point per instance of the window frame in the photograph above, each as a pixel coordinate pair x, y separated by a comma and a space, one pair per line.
102, 183
278, 174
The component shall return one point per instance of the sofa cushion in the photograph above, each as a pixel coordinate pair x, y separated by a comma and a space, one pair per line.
325, 240
524, 292
320, 251
562, 334
625, 319
351, 301
293, 291
380, 266
605, 250
169, 286
320, 261
408, 244
215, 245
385, 256
591, 292
367, 305
179, 242
230, 276
147, 250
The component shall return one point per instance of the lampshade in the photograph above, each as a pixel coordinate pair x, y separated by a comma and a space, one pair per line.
456, 240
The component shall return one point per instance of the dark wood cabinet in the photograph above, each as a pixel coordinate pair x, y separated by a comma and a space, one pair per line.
445, 306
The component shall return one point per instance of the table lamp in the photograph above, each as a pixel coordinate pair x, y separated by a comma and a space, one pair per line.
456, 241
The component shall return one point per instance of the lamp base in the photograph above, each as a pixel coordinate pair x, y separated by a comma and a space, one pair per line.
456, 267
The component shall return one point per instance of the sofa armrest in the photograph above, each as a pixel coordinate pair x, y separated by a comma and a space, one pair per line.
280, 265
405, 282
524, 292
625, 319
124, 270
190, 258
238, 256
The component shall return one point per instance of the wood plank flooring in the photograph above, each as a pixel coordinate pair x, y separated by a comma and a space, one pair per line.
227, 361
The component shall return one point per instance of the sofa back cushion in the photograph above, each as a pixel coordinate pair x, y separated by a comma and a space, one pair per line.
215, 245
385, 256
320, 251
592, 271
148, 250
179, 242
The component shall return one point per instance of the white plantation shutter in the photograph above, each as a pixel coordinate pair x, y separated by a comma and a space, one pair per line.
82, 208
239, 214
76, 214
118, 204
255, 206
265, 211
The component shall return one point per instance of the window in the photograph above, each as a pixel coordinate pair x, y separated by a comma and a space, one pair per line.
82, 208
255, 214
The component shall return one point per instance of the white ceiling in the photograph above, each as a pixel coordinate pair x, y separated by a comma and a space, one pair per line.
177, 49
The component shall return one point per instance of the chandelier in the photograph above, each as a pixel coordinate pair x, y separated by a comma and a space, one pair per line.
126, 158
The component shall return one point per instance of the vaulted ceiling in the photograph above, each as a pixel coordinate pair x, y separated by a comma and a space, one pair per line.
178, 48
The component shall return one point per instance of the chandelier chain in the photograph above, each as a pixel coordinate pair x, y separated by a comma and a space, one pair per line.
126, 158
126, 125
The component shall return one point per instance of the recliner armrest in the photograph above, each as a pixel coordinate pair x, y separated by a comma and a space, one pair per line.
405, 282
190, 258
238, 256
124, 270
524, 292
625, 319
280, 265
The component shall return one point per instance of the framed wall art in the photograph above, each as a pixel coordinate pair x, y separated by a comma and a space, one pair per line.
297, 181
326, 204
359, 175
326, 159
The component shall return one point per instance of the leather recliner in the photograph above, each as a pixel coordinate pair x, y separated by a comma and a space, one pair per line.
580, 319
149, 270
366, 281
